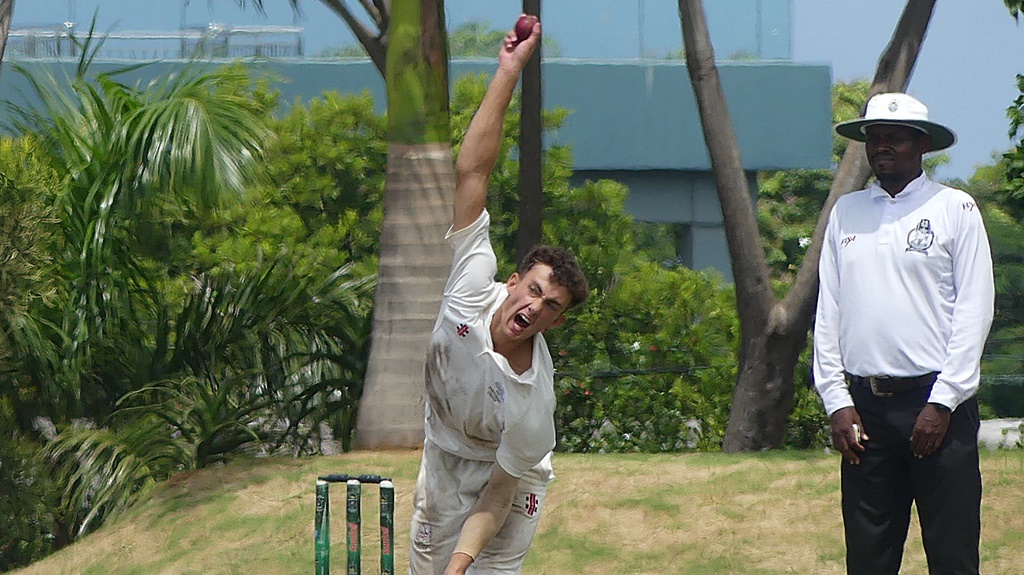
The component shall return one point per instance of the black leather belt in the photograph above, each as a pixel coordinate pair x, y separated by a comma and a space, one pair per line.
885, 386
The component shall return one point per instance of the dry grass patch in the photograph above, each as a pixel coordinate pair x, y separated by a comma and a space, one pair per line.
693, 514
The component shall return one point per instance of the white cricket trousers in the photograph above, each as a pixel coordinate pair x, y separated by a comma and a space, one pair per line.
446, 490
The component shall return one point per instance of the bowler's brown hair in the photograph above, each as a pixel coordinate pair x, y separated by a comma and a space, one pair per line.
565, 271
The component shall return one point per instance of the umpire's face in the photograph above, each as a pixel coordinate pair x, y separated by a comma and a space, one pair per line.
894, 151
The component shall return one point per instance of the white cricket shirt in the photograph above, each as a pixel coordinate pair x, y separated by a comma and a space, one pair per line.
906, 289
477, 406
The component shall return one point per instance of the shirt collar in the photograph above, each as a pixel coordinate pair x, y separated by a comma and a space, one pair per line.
913, 188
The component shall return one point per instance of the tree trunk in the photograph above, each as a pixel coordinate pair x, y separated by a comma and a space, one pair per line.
531, 184
414, 264
774, 333
414, 256
61, 535
6, 12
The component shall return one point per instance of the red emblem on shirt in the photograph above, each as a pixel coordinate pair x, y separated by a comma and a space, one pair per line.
462, 330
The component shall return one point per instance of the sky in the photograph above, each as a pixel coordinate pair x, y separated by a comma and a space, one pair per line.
966, 73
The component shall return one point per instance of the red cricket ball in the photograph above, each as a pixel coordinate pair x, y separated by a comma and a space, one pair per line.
524, 27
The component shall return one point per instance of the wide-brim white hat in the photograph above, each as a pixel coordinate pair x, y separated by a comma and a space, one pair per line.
898, 108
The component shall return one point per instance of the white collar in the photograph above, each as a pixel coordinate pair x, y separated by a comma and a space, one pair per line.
912, 188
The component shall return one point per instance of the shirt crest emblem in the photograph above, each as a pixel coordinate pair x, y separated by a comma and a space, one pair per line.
921, 238
462, 330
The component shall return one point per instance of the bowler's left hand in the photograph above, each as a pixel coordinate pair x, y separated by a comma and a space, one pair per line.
458, 564
929, 430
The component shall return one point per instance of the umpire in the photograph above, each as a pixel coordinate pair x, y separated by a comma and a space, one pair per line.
904, 306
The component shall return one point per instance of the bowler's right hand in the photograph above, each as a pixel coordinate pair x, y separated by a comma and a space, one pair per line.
515, 54
848, 433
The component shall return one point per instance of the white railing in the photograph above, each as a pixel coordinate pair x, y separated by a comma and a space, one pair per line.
213, 41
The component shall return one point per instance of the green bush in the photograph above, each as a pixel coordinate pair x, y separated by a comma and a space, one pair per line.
27, 532
648, 365
807, 425
322, 201
1003, 395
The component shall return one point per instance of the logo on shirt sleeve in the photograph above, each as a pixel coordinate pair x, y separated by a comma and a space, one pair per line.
532, 504
462, 330
920, 238
496, 392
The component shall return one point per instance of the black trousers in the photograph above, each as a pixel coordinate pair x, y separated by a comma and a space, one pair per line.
946, 486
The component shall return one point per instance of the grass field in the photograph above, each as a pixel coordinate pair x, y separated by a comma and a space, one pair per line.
693, 514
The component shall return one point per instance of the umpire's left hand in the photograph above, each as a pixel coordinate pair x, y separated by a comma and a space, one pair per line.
929, 430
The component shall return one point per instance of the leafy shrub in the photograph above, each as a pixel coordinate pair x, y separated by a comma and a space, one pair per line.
322, 204
807, 425
24, 492
648, 365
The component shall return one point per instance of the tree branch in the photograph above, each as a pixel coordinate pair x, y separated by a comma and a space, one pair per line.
380, 11
6, 10
375, 43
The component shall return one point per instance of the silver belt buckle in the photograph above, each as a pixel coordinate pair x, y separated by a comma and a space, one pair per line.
873, 381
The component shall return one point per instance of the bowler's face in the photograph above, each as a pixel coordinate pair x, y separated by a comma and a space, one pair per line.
895, 151
535, 303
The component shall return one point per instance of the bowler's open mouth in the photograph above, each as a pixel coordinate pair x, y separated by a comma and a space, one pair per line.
522, 321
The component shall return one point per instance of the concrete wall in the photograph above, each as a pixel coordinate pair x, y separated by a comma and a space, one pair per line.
685, 197
642, 114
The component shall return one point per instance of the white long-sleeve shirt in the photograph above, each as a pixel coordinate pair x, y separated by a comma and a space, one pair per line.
906, 288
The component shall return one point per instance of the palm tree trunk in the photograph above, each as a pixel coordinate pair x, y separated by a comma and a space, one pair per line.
414, 264
414, 257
